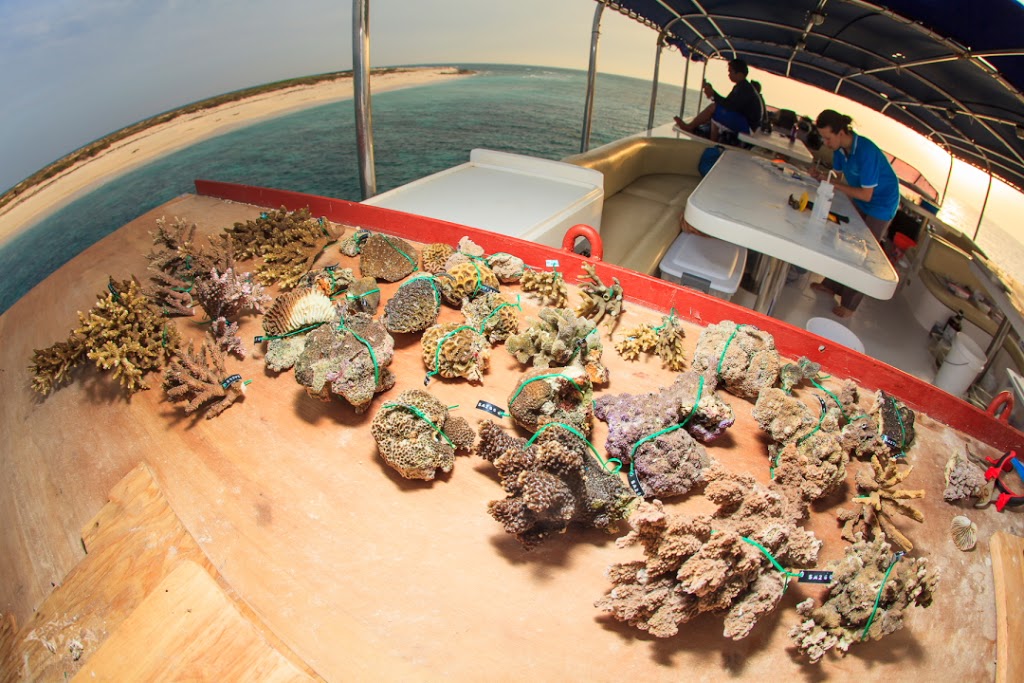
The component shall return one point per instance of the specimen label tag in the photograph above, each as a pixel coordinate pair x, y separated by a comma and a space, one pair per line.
230, 380
490, 408
257, 340
487, 289
551, 263
634, 482
814, 576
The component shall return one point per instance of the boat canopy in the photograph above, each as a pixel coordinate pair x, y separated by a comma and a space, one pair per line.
951, 71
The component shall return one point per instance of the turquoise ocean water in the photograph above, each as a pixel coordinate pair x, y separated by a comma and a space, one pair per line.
417, 131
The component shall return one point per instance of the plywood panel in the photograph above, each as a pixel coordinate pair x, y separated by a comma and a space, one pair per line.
1008, 571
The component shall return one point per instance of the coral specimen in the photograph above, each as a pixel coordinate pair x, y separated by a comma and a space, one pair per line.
470, 248
295, 247
631, 417
124, 332
225, 296
454, 350
434, 256
465, 281
792, 375
283, 353
670, 464
177, 254
601, 302
414, 306
349, 360
387, 258
332, 280
172, 294
665, 340
557, 339
888, 430
964, 479
543, 396
506, 267
298, 309
363, 296
964, 532
417, 436
551, 484
869, 594
879, 503
709, 564
549, 288
742, 358
353, 244
199, 377
493, 315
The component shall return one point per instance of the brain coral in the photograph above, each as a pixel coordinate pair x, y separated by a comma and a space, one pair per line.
387, 258
741, 358
417, 436
335, 363
466, 280
414, 306
542, 396
434, 257
551, 484
454, 350
493, 315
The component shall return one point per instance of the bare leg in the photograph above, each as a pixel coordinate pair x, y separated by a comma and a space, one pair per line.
698, 120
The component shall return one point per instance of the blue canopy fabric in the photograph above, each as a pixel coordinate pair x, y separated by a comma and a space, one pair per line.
952, 71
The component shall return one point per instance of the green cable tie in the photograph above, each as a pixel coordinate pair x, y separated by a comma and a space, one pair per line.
903, 430
834, 398
771, 558
419, 413
307, 328
821, 418
721, 359
364, 294
184, 289
540, 377
862, 416
668, 318
479, 277
373, 356
878, 599
572, 429
483, 324
440, 343
407, 257
649, 437
453, 407
247, 382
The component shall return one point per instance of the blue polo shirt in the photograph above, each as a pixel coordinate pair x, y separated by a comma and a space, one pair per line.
867, 166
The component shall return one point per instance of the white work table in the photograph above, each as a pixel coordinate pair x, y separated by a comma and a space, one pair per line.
794, 150
744, 200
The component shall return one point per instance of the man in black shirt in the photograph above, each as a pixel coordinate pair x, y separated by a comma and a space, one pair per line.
739, 112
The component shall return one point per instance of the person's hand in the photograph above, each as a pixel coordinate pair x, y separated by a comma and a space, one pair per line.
708, 90
816, 172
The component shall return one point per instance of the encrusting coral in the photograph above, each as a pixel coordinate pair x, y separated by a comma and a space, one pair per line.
466, 280
349, 360
124, 332
414, 306
387, 258
416, 435
665, 340
741, 358
964, 479
454, 350
493, 315
716, 564
688, 400
558, 338
880, 502
870, 592
792, 375
199, 377
543, 396
551, 483
601, 303
887, 431
506, 267
353, 244
548, 287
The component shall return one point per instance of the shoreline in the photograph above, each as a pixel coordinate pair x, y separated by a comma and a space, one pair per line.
183, 131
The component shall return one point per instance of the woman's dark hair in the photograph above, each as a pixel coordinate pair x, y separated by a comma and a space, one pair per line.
830, 118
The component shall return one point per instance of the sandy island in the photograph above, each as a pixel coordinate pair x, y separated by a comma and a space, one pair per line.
156, 141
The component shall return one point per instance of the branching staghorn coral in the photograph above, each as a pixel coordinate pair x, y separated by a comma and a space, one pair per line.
665, 341
551, 482
870, 591
172, 294
295, 249
548, 288
601, 302
559, 338
739, 358
714, 564
124, 332
880, 503
199, 377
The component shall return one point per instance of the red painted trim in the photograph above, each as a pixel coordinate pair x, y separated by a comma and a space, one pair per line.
689, 304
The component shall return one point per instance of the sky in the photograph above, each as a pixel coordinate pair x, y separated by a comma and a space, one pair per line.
73, 71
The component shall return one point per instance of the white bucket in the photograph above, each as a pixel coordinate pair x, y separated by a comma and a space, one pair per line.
962, 365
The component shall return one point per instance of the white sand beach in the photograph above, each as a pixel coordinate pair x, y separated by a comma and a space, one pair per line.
189, 129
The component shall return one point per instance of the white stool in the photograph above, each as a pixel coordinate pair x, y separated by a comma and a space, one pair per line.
830, 329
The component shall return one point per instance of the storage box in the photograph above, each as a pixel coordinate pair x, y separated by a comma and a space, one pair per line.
705, 263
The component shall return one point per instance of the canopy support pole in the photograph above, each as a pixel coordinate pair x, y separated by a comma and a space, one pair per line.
588, 107
686, 83
984, 204
654, 81
949, 175
361, 85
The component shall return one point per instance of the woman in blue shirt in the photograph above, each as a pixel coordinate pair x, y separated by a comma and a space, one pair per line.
868, 179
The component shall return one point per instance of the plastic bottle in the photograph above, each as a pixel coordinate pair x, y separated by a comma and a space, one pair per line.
822, 203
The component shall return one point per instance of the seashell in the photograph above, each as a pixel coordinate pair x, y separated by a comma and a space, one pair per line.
297, 309
964, 532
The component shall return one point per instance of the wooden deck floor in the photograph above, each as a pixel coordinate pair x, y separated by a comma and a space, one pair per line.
365, 575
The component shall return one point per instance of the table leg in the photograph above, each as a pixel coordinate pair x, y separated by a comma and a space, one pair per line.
993, 348
770, 285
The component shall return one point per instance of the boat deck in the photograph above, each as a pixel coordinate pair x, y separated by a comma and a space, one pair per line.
365, 575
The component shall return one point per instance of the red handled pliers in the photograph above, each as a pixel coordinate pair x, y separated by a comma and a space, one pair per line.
998, 467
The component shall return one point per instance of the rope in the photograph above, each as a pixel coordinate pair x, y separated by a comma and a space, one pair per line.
419, 413
572, 429
878, 599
